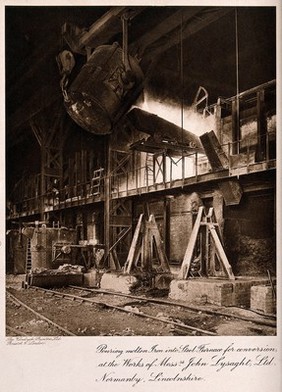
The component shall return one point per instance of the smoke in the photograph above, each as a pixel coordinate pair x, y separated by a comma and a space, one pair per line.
171, 111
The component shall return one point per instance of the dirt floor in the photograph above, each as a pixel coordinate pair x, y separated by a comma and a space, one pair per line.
94, 320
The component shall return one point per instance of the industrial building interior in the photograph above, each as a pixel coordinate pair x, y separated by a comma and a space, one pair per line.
141, 166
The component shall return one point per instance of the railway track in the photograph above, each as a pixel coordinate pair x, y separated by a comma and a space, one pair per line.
16, 301
124, 309
268, 320
173, 315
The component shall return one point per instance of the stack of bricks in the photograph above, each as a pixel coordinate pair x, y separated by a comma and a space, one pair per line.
262, 299
202, 291
118, 282
241, 295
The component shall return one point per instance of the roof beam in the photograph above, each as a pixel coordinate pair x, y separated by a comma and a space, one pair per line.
101, 31
207, 16
167, 25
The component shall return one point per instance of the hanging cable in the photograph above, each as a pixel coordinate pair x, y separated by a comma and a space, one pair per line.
182, 96
237, 84
237, 52
182, 76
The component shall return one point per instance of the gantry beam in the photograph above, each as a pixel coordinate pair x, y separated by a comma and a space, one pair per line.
101, 31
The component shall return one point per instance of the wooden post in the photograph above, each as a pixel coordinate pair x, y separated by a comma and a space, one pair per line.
184, 270
146, 249
220, 251
154, 235
131, 258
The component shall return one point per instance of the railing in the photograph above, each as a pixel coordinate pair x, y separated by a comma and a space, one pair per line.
171, 172
251, 153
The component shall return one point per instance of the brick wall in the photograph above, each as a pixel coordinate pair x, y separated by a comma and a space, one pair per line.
249, 233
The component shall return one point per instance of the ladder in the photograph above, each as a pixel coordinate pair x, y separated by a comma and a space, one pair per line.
28, 260
95, 186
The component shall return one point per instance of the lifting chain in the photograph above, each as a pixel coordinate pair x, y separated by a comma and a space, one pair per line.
66, 63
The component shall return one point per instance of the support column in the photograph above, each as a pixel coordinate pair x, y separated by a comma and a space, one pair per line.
51, 134
107, 193
261, 127
236, 132
218, 121
167, 215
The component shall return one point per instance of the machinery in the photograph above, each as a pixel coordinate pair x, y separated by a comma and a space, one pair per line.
104, 89
51, 255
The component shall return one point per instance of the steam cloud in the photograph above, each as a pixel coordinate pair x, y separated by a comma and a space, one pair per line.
192, 121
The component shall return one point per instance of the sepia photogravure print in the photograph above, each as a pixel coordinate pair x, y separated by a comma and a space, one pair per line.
141, 201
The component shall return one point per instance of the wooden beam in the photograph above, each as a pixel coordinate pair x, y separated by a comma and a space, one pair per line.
131, 258
220, 252
154, 231
184, 270
123, 234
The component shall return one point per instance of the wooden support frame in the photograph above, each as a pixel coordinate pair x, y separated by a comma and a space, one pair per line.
184, 270
219, 249
207, 222
145, 238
